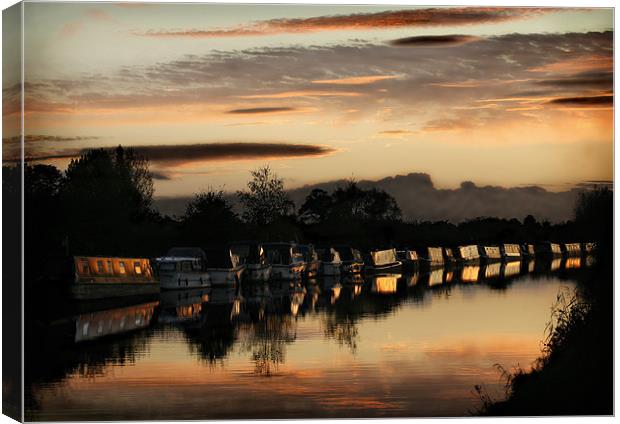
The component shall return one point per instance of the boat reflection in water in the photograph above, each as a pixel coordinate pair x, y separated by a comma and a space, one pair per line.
412, 279
511, 269
385, 284
470, 273
435, 276
492, 270
182, 305
99, 324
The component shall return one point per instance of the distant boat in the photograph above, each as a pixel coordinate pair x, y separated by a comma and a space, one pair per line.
253, 256
511, 251
382, 261
448, 255
468, 253
571, 249
223, 266
287, 262
409, 258
432, 256
548, 249
527, 250
352, 262
330, 261
490, 253
311, 259
97, 277
183, 268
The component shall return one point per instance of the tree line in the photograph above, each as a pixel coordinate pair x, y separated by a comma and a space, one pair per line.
103, 205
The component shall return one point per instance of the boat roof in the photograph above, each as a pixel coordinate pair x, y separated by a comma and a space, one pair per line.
176, 258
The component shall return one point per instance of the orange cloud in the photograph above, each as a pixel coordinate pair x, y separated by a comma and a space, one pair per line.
301, 93
578, 64
362, 80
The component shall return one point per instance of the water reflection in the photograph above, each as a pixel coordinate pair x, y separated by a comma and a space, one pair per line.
337, 347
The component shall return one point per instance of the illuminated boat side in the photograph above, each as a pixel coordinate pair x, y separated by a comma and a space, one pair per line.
252, 254
286, 261
380, 261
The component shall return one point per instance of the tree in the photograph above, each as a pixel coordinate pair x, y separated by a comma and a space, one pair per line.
265, 201
317, 206
372, 205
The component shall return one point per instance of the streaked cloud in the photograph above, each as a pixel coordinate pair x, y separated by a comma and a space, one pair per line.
430, 17
301, 93
434, 40
359, 80
586, 101
262, 110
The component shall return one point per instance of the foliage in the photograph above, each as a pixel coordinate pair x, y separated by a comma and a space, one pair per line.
265, 201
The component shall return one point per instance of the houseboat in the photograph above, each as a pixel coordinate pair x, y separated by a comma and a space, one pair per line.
252, 254
352, 262
448, 255
527, 250
468, 253
511, 251
97, 277
311, 259
382, 261
330, 261
287, 262
588, 248
490, 253
409, 259
223, 266
432, 256
183, 268
571, 249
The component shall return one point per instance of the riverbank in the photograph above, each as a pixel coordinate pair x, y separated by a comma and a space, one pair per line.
574, 375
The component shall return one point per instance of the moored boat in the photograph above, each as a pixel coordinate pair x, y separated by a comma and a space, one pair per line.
183, 268
97, 277
252, 254
311, 259
286, 261
571, 249
409, 258
548, 249
330, 261
382, 261
490, 253
223, 266
432, 256
468, 253
352, 262
511, 251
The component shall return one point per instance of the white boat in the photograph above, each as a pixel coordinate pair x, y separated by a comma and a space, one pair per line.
183, 268
382, 261
252, 255
223, 266
330, 262
286, 261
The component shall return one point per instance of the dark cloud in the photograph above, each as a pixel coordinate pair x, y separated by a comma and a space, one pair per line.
171, 155
47, 138
584, 101
430, 17
162, 176
599, 80
262, 110
433, 40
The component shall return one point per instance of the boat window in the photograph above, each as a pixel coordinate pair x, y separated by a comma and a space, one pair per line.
196, 265
121, 267
100, 267
167, 266
137, 268
110, 268
186, 266
85, 268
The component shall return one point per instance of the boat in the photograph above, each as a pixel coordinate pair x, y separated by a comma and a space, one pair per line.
448, 255
382, 261
311, 259
527, 250
409, 259
588, 248
183, 268
330, 261
490, 253
223, 266
432, 256
253, 256
287, 262
511, 251
97, 277
548, 249
352, 262
571, 249
468, 253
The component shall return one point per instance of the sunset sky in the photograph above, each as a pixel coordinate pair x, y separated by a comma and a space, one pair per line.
501, 96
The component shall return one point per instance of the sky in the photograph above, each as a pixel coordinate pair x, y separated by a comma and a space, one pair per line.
497, 96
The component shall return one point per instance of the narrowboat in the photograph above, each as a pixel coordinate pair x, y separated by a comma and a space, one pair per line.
548, 249
527, 250
223, 266
287, 262
511, 251
183, 268
490, 253
432, 256
252, 254
571, 249
97, 277
382, 261
311, 259
448, 255
409, 259
330, 261
352, 262
468, 253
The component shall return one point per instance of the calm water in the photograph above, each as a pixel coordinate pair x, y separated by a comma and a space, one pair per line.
401, 345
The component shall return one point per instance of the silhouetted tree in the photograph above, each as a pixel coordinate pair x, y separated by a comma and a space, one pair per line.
209, 218
265, 201
317, 206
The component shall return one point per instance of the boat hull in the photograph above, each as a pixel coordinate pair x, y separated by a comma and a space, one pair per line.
287, 272
258, 272
225, 276
183, 280
331, 268
387, 268
104, 290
